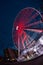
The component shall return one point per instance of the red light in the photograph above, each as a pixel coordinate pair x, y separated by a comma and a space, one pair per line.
20, 28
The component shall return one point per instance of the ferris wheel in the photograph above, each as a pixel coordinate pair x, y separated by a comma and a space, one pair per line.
27, 29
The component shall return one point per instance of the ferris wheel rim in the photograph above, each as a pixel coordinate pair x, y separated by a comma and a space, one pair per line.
18, 15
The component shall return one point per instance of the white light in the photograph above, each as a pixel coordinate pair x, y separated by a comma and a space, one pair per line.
27, 57
41, 40
35, 49
24, 51
8, 58
17, 27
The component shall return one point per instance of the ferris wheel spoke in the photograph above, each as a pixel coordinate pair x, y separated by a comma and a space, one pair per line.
33, 24
35, 30
19, 48
26, 14
27, 36
25, 39
22, 42
32, 17
35, 15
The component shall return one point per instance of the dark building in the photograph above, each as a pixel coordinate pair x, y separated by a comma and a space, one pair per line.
1, 59
10, 54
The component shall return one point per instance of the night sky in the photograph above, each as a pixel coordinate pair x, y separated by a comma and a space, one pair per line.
8, 12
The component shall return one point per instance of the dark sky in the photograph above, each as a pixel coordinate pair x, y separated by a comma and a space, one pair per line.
8, 12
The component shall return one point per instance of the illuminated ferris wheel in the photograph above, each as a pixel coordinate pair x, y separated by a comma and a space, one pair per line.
27, 29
